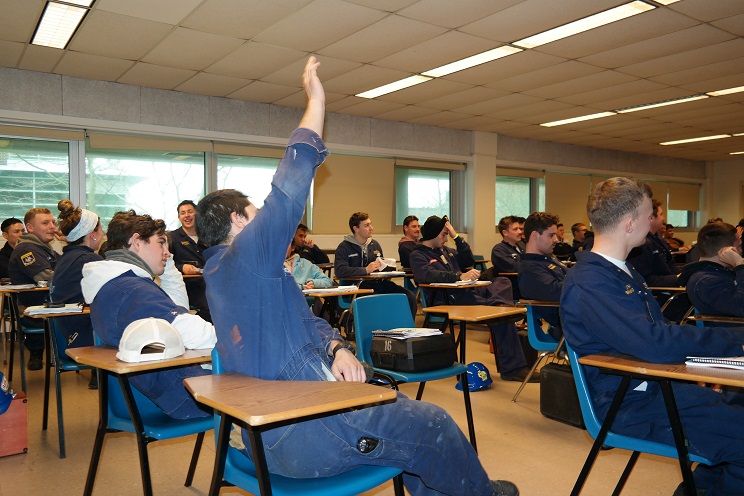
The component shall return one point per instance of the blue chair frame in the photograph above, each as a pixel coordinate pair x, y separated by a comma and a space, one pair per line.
389, 311
539, 340
60, 363
19, 332
240, 471
124, 409
602, 435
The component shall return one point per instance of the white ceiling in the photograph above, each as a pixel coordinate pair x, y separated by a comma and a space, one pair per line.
254, 50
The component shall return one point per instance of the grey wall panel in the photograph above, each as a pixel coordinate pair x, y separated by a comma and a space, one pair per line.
29, 91
100, 100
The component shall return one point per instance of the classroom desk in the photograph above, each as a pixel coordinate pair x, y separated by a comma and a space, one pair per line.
10, 298
328, 298
326, 267
192, 276
104, 359
720, 320
376, 276
260, 405
445, 288
663, 373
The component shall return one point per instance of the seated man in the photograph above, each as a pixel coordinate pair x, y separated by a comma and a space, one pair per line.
266, 330
33, 260
12, 229
715, 284
406, 244
562, 250
606, 307
675, 244
540, 274
505, 255
432, 261
121, 289
578, 231
357, 256
305, 247
653, 258
187, 250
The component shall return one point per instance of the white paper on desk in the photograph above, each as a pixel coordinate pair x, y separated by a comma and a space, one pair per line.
460, 283
386, 262
41, 309
724, 362
8, 287
389, 273
336, 290
407, 332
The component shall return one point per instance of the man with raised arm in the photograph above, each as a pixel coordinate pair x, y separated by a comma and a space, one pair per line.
606, 307
265, 329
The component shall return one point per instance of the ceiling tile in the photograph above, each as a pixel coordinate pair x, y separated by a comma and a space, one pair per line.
10, 53
386, 5
490, 107
240, 18
436, 52
474, 122
581, 84
545, 76
155, 76
634, 91
733, 24
708, 11
702, 72
259, 91
440, 118
719, 83
167, 11
363, 78
468, 98
382, 39
189, 49
534, 110
211, 84
84, 65
317, 25
18, 20
255, 60
429, 90
532, 17
561, 114
40, 58
509, 66
342, 103
118, 36
329, 68
454, 14
686, 59
406, 113
371, 108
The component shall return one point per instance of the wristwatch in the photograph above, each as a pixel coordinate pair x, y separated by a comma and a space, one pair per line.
343, 346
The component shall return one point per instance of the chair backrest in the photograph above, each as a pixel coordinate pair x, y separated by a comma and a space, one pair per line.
59, 348
539, 340
425, 304
373, 312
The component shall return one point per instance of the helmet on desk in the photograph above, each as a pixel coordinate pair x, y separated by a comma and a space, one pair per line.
478, 377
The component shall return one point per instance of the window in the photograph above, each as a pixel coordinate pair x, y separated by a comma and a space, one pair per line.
422, 193
680, 219
148, 181
33, 173
250, 175
514, 196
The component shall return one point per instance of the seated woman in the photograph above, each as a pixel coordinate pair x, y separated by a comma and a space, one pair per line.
84, 234
121, 289
307, 275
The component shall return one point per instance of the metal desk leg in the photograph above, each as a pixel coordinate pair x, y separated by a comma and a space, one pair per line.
259, 461
223, 443
606, 425
47, 366
680, 440
100, 433
139, 430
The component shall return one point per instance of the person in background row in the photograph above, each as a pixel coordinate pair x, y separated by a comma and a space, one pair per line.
505, 255
578, 231
306, 274
84, 234
653, 259
675, 244
562, 250
306, 248
12, 229
406, 244
186, 248
32, 261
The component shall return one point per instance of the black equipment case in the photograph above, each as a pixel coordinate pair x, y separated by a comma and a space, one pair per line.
558, 397
420, 354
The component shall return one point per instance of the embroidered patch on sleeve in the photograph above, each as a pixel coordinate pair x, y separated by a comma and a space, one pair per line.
28, 259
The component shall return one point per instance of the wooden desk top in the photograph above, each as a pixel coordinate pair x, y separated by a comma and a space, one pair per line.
104, 357
11, 289
260, 402
378, 276
192, 276
324, 294
721, 319
538, 303
455, 285
679, 371
668, 289
476, 313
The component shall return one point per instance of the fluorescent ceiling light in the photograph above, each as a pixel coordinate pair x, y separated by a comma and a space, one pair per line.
578, 119
82, 3
736, 153
739, 134
58, 24
472, 61
728, 91
585, 24
394, 86
666, 2
692, 140
662, 104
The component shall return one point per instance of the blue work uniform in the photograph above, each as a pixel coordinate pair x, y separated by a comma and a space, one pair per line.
715, 289
541, 278
187, 251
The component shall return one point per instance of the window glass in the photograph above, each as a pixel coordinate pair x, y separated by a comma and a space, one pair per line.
513, 196
250, 175
422, 193
33, 173
151, 182
679, 218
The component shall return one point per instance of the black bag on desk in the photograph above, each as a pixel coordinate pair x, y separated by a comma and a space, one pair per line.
558, 397
413, 354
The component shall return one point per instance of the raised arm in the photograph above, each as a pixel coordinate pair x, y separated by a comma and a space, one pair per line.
315, 110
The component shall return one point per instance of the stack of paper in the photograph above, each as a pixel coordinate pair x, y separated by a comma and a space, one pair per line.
406, 332
41, 309
336, 290
726, 363
460, 283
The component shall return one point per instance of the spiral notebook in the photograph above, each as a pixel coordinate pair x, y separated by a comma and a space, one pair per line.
726, 363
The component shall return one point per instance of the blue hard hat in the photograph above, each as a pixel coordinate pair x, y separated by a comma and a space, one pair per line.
6, 395
478, 377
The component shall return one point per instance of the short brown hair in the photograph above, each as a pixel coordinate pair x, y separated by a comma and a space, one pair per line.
34, 212
714, 236
613, 199
124, 224
356, 219
507, 221
540, 222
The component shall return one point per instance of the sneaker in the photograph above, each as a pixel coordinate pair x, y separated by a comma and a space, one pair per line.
504, 488
93, 384
36, 361
519, 376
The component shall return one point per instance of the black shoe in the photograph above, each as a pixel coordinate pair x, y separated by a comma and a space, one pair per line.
504, 488
519, 376
36, 361
680, 491
93, 384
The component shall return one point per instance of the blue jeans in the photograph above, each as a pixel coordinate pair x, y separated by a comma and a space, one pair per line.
415, 436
